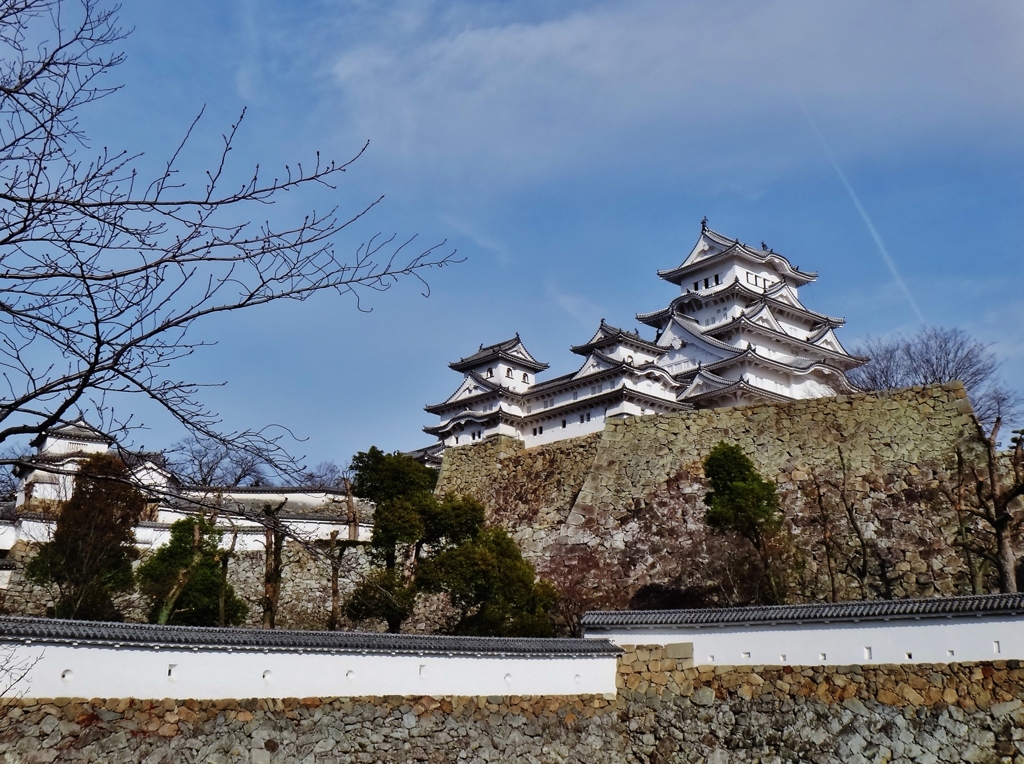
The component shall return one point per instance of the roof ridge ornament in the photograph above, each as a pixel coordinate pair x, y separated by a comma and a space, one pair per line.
704, 224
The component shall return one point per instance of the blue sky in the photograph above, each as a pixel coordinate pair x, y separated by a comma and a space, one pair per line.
570, 149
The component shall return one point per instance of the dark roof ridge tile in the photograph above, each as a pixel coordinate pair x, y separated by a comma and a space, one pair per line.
50, 630
930, 607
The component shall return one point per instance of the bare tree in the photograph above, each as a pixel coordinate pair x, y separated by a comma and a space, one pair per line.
208, 462
935, 355
105, 274
991, 493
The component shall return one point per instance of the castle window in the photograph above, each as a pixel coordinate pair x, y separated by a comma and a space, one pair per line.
581, 418
696, 286
526, 378
540, 430
490, 373
535, 431
563, 424
588, 416
718, 279
508, 373
575, 394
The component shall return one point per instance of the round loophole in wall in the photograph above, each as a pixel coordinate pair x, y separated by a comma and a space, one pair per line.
577, 679
350, 674
267, 675
508, 679
67, 675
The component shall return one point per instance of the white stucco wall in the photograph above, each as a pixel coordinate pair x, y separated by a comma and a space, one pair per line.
928, 640
108, 672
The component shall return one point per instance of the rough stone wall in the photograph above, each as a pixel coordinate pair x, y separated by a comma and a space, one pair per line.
923, 713
858, 477
305, 598
22, 597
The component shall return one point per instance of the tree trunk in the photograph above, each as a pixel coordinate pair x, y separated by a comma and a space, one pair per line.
184, 576
225, 559
1007, 563
353, 515
1002, 497
272, 577
335, 617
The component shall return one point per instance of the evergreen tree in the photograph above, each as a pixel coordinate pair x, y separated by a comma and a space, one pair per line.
492, 586
184, 579
89, 559
380, 477
423, 544
743, 502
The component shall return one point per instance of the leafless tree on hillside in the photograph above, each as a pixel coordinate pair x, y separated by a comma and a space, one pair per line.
935, 355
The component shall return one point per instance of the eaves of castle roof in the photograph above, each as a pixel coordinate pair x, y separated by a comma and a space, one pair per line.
490, 390
500, 350
607, 334
733, 248
743, 323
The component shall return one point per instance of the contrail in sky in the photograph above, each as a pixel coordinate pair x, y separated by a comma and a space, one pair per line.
867, 220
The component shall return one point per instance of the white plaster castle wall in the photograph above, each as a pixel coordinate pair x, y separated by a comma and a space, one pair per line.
89, 671
930, 640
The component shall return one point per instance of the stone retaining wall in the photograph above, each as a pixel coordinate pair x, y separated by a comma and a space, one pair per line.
924, 713
858, 476
305, 598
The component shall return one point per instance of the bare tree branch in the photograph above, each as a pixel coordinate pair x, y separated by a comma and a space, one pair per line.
104, 275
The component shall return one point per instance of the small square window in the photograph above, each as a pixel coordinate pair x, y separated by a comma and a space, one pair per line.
563, 424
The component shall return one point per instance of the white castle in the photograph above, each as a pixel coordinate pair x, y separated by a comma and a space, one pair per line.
737, 334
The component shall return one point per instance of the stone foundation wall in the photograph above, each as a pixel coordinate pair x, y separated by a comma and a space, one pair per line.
305, 598
824, 714
859, 478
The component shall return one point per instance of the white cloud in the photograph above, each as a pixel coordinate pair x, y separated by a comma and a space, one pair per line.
578, 307
678, 83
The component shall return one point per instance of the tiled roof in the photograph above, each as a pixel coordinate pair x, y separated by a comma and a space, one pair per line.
933, 607
98, 633
499, 350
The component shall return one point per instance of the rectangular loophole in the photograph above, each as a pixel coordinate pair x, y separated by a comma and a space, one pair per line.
996, 647
867, 653
172, 670
822, 656
910, 656
746, 655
